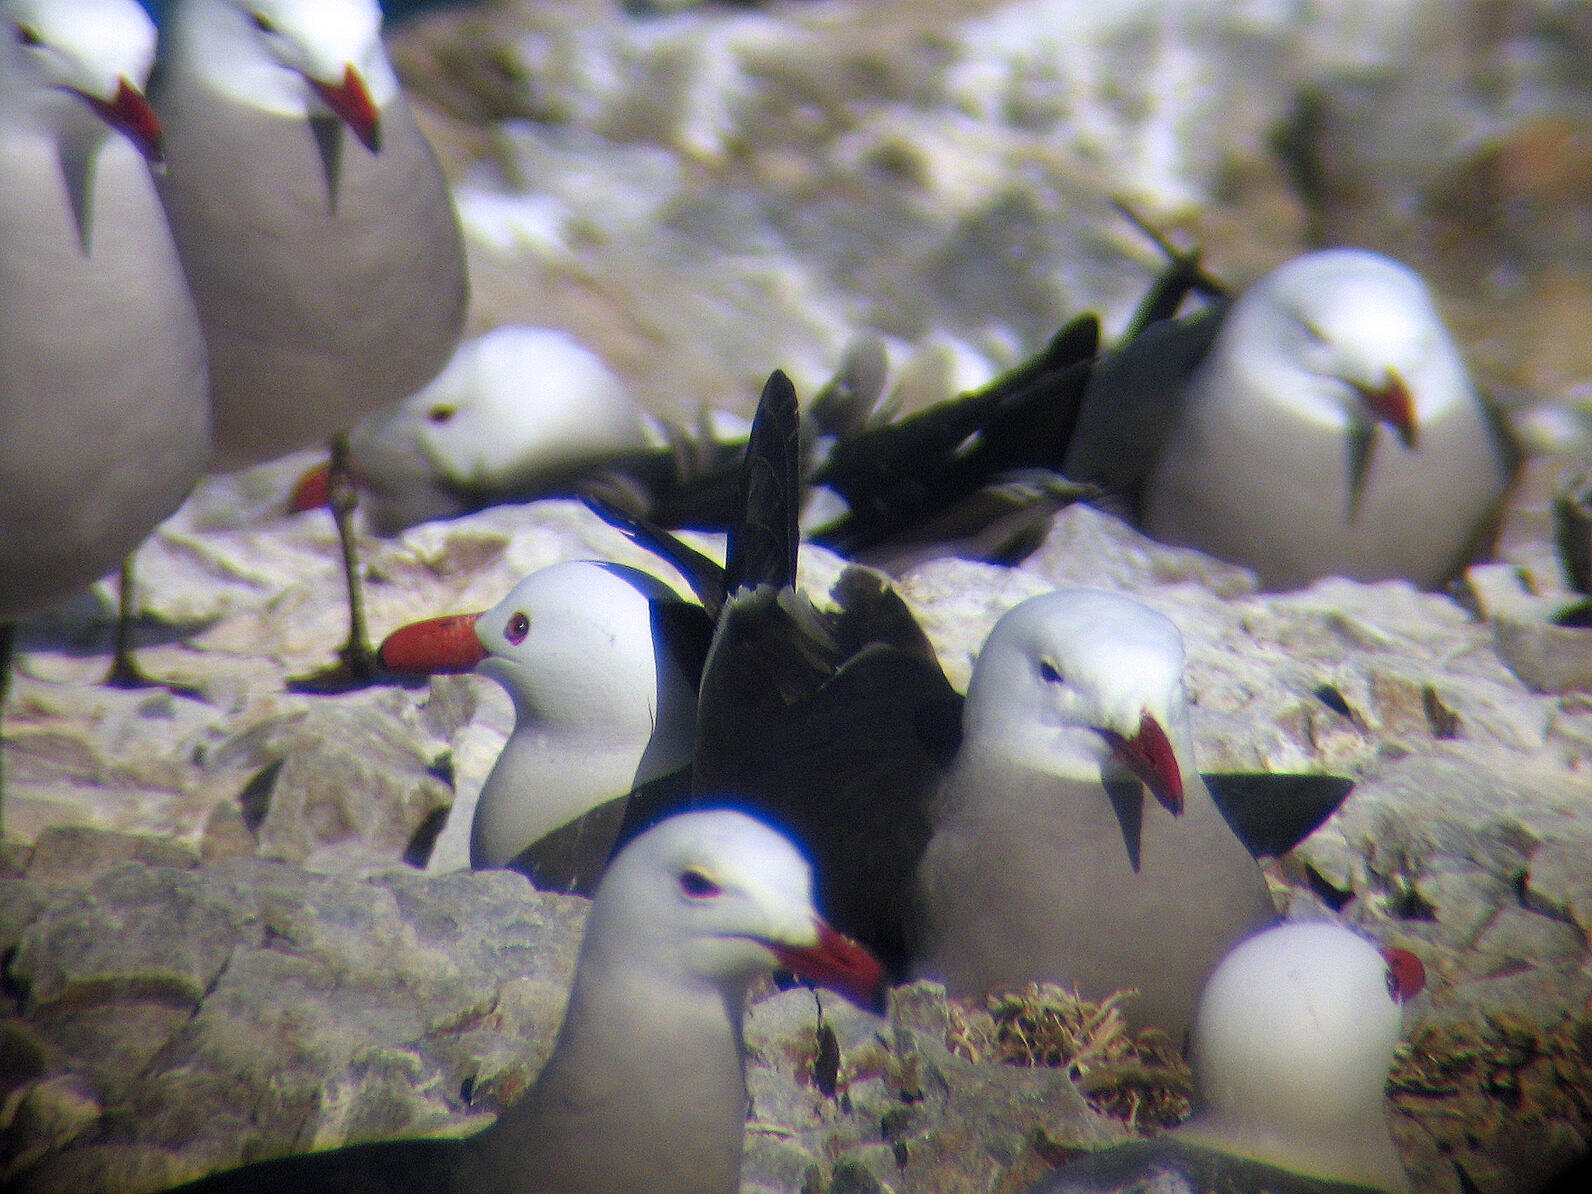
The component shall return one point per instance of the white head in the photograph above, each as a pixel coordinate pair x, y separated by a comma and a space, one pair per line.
291, 57
62, 58
1084, 683
513, 407
1346, 336
573, 643
1292, 1044
712, 900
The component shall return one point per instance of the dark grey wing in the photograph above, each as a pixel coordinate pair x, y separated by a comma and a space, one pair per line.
384, 1167
704, 575
763, 542
847, 772
1133, 400
1273, 812
896, 477
571, 859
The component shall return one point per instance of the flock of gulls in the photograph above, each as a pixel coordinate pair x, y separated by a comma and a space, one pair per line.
261, 254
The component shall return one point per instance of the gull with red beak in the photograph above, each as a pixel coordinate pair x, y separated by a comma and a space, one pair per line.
314, 224
104, 419
1292, 1046
601, 662
1048, 826
1324, 424
1048, 862
645, 1091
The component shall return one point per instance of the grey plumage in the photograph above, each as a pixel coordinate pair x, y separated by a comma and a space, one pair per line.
104, 424
1047, 860
1323, 424
329, 274
644, 1092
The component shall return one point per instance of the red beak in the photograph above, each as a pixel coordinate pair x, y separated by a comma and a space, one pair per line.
840, 963
1406, 977
435, 646
1393, 405
352, 103
1149, 755
313, 491
129, 113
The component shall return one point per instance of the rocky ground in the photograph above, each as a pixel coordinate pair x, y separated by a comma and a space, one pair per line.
217, 936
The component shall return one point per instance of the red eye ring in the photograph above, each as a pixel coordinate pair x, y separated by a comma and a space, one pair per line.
697, 885
519, 626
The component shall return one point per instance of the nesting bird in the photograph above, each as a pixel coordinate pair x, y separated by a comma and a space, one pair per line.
1052, 826
518, 413
1074, 712
1323, 424
1293, 1043
645, 1091
602, 663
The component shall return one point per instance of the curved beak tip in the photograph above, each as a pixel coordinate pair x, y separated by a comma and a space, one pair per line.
351, 101
1150, 756
313, 491
1393, 404
436, 646
129, 113
1406, 976
841, 964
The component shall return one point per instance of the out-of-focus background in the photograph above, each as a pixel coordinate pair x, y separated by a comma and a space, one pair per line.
704, 192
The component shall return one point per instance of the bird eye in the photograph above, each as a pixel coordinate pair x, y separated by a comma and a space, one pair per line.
27, 35
1049, 672
697, 885
262, 22
441, 413
519, 626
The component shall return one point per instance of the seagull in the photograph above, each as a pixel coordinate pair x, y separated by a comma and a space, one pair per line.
601, 662
645, 1091
104, 420
1321, 424
1116, 868
1293, 1043
314, 225
519, 413
1051, 826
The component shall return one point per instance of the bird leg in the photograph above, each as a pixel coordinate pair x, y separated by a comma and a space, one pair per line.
356, 666
125, 672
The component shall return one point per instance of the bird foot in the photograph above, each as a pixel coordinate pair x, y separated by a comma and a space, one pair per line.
356, 668
125, 673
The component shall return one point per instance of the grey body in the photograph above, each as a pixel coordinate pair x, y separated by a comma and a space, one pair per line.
1239, 432
104, 422
683, 1110
644, 1092
330, 279
1037, 884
